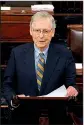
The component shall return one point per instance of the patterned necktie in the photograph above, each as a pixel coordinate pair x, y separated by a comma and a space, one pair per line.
40, 70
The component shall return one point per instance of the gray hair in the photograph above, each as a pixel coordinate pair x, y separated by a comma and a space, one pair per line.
43, 14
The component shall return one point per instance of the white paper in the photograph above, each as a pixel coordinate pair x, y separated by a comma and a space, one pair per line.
78, 65
42, 7
60, 92
5, 8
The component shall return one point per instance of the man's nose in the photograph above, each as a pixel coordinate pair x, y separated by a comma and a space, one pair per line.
41, 34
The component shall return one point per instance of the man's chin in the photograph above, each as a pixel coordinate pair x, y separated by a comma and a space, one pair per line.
41, 47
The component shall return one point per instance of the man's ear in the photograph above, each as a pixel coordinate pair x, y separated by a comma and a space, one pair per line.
53, 32
30, 31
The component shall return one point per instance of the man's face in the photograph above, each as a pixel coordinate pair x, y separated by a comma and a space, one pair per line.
42, 32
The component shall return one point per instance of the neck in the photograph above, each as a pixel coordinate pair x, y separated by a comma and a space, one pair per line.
42, 48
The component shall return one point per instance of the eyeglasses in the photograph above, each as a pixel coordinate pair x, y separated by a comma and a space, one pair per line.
44, 31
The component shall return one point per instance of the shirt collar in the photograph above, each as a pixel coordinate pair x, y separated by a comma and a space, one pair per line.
37, 51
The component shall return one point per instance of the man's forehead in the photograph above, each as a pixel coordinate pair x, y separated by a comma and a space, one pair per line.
42, 22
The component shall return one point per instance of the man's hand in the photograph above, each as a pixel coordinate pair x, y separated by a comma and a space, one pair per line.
71, 92
21, 95
15, 101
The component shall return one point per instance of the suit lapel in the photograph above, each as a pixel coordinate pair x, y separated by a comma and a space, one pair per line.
51, 62
30, 63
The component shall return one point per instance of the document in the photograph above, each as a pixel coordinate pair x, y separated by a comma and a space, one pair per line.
78, 65
47, 7
5, 8
60, 92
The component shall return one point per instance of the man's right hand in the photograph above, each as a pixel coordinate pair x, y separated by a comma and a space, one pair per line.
21, 95
15, 101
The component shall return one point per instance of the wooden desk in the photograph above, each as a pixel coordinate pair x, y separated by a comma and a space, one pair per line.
42, 106
39, 107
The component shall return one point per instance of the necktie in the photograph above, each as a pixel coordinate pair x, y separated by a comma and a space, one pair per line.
40, 70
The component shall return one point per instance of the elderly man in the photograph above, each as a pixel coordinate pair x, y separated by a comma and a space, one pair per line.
38, 68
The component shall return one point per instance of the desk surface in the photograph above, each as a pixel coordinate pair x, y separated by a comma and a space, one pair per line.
43, 98
38, 98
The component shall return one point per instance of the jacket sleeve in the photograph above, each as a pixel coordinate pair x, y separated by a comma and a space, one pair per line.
8, 83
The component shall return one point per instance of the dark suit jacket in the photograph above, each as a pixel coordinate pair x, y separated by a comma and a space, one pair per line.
20, 75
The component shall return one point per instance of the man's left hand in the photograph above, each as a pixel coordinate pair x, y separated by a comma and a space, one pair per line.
71, 92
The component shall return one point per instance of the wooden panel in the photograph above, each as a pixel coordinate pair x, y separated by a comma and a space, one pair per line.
79, 79
78, 27
80, 87
15, 25
21, 18
13, 32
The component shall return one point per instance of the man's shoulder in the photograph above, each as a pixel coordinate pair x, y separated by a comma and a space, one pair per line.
23, 47
62, 50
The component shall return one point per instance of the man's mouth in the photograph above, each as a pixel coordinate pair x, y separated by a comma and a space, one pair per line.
41, 41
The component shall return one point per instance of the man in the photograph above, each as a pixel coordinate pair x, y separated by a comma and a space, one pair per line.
23, 76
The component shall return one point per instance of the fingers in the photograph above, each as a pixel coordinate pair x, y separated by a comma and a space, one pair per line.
15, 101
27, 96
72, 97
21, 95
71, 92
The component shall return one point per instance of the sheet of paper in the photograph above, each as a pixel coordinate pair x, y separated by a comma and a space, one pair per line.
60, 92
49, 7
5, 8
78, 65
